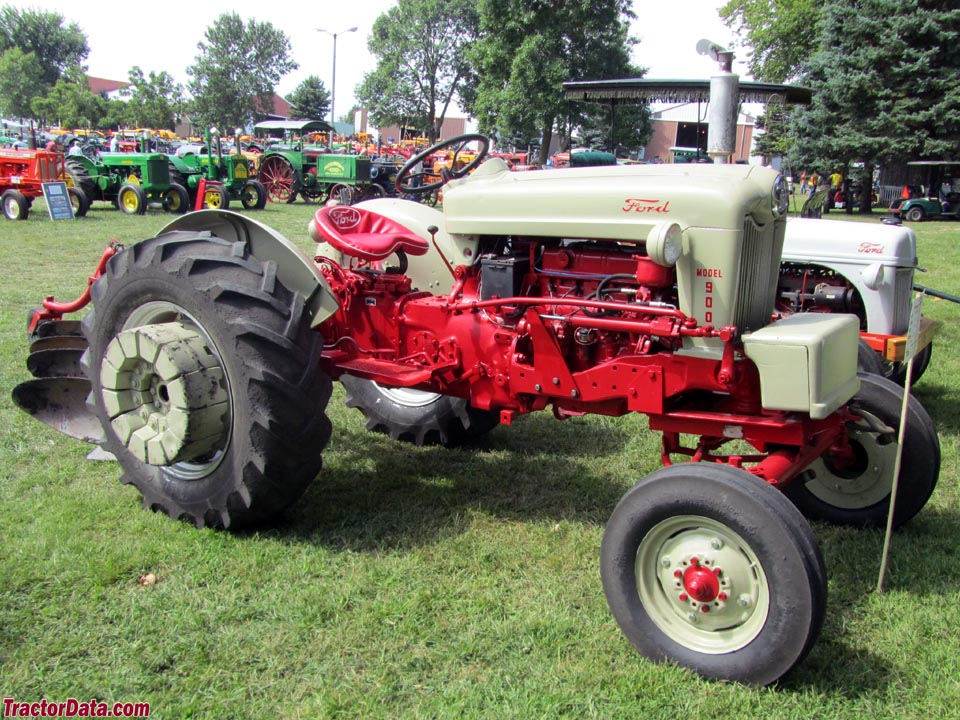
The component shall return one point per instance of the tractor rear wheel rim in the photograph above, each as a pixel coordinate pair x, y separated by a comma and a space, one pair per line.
702, 584
867, 479
158, 312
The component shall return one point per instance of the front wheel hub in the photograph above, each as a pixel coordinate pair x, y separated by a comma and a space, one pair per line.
165, 393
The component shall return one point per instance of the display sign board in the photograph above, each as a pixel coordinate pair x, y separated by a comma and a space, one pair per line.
58, 200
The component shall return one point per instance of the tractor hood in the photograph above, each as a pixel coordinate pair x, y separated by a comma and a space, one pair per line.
826, 241
618, 203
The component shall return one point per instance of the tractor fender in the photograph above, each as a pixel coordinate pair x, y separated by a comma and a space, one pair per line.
294, 269
429, 272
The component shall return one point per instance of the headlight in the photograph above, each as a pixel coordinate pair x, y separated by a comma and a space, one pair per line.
665, 243
780, 197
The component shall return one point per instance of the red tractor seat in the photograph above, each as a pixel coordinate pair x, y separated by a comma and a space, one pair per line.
364, 234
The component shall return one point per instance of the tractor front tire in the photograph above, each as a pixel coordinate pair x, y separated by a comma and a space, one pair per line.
132, 200
245, 359
176, 199
856, 492
14, 205
711, 568
416, 416
254, 195
79, 201
215, 198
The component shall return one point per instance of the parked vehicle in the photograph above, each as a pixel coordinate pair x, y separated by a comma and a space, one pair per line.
295, 167
206, 364
130, 181
229, 176
918, 209
22, 174
866, 270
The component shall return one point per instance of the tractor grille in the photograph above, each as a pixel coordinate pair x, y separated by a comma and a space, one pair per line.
903, 297
759, 267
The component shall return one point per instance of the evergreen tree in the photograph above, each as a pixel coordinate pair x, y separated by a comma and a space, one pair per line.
886, 86
310, 100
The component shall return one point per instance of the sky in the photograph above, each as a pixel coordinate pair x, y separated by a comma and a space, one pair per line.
164, 36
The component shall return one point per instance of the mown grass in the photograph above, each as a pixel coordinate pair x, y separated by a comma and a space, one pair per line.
418, 582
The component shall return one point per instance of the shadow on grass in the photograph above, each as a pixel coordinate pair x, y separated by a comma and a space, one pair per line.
919, 566
376, 494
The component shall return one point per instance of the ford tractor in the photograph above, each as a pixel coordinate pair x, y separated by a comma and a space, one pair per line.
206, 360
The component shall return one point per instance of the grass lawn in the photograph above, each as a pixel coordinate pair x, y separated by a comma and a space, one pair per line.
419, 582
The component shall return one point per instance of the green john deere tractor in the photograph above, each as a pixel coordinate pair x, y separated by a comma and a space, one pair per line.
229, 176
131, 181
295, 167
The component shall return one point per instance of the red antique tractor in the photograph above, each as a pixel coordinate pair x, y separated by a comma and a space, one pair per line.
206, 362
22, 174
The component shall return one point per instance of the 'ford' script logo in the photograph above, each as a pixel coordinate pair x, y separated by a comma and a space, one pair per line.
640, 205
870, 248
344, 217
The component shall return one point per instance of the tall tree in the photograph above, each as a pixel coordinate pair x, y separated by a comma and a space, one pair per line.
55, 44
421, 64
887, 85
781, 35
20, 76
70, 102
155, 100
528, 49
233, 77
310, 100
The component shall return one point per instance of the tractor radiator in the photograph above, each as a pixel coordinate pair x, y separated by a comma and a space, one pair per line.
759, 268
903, 297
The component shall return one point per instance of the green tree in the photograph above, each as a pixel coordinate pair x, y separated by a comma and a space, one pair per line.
70, 103
310, 100
20, 76
155, 100
887, 86
421, 64
528, 49
780, 34
233, 77
55, 44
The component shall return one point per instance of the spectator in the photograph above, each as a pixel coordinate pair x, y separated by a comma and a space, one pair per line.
114, 143
74, 148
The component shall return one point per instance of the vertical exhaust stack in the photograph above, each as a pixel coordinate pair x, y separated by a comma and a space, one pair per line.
724, 98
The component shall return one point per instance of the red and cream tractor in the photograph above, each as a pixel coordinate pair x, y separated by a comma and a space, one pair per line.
22, 175
206, 361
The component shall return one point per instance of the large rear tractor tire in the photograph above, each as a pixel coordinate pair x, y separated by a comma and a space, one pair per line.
711, 568
78, 176
857, 492
205, 378
423, 418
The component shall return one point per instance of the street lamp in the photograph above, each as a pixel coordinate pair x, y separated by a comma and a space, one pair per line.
333, 83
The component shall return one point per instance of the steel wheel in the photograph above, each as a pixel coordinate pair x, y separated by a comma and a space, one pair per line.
707, 566
279, 178
341, 194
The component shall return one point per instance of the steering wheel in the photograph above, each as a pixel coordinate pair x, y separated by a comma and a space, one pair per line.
407, 180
